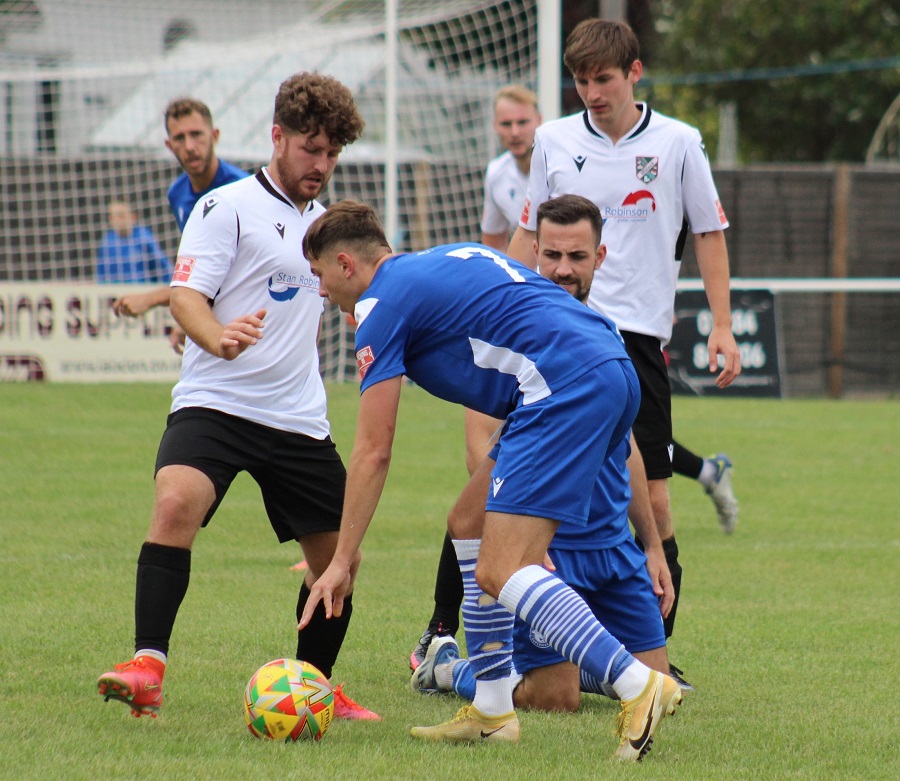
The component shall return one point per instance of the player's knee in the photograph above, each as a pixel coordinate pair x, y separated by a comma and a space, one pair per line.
488, 580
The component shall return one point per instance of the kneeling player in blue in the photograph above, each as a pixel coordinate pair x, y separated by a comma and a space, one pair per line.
628, 592
473, 327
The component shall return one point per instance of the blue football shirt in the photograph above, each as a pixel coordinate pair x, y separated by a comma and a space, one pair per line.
474, 327
182, 197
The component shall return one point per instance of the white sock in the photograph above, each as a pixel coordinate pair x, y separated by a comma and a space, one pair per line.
632, 681
158, 655
443, 675
494, 698
707, 473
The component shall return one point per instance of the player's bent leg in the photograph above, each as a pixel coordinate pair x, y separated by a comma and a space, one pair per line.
182, 498
480, 429
656, 659
554, 688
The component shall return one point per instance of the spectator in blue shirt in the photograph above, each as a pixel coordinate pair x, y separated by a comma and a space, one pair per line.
130, 252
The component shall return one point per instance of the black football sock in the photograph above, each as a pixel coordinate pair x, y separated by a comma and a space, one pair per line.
686, 463
163, 573
448, 591
320, 641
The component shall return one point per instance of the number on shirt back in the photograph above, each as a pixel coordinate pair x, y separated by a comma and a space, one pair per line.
467, 252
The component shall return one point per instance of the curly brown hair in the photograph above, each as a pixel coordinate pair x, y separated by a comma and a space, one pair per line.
312, 102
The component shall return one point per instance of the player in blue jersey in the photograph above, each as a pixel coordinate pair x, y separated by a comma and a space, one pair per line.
191, 137
472, 326
627, 592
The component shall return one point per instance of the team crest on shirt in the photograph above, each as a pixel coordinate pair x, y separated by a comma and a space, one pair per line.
646, 168
183, 268
364, 359
537, 639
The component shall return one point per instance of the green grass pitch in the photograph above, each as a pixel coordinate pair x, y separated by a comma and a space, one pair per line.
789, 628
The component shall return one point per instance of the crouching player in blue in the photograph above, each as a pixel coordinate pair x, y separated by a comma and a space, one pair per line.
474, 327
628, 593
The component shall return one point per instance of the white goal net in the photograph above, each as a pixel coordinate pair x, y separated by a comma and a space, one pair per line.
83, 86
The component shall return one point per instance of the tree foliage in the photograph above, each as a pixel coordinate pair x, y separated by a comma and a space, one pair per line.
828, 116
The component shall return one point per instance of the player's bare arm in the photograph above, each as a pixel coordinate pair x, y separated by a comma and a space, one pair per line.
712, 259
521, 247
135, 304
495, 240
640, 513
366, 474
192, 312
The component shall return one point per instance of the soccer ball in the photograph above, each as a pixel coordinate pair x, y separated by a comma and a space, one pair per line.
288, 700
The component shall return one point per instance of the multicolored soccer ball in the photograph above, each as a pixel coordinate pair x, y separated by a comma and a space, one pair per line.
288, 700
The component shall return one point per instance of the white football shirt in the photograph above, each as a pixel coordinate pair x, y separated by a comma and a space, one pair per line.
504, 194
242, 248
651, 187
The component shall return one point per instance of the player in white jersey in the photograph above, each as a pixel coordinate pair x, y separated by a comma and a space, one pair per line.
472, 326
250, 397
650, 177
516, 117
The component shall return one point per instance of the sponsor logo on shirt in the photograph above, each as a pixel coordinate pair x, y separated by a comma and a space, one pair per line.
279, 226
283, 287
183, 268
208, 205
526, 209
636, 207
579, 162
646, 168
364, 359
722, 218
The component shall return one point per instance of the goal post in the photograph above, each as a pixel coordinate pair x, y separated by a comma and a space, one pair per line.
84, 83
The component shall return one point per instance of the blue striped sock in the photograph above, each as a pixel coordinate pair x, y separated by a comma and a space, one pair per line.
545, 602
488, 625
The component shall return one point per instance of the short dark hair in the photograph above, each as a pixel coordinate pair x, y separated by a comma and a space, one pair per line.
346, 222
569, 210
181, 107
596, 44
311, 102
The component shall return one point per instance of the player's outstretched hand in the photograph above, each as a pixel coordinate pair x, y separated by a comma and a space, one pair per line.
241, 333
330, 589
722, 343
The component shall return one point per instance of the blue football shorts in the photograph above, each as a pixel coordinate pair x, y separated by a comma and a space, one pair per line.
550, 452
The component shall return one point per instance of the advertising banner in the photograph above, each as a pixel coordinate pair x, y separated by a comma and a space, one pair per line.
68, 332
755, 328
